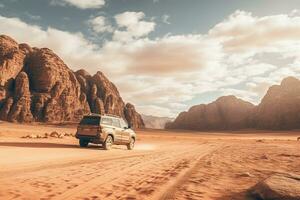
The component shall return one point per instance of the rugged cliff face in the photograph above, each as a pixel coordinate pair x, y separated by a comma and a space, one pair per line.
36, 85
278, 110
226, 113
280, 107
130, 113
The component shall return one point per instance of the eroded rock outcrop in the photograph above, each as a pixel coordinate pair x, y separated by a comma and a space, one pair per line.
131, 116
11, 60
278, 187
20, 109
11, 63
280, 107
104, 97
36, 85
226, 113
278, 110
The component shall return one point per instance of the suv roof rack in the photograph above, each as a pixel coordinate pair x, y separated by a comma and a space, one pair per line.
94, 114
111, 115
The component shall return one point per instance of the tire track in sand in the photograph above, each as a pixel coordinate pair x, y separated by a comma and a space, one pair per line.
139, 180
18, 172
171, 187
123, 177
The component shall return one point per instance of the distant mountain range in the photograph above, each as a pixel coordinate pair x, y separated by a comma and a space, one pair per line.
154, 122
279, 110
36, 85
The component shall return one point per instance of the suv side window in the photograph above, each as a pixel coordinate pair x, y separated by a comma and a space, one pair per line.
106, 121
123, 123
116, 122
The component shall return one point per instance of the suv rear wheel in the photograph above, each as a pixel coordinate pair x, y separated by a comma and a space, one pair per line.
108, 142
130, 145
83, 143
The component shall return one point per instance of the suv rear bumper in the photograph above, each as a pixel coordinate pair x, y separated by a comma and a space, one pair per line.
94, 139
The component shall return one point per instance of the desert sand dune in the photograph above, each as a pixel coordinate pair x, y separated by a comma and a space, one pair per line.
164, 165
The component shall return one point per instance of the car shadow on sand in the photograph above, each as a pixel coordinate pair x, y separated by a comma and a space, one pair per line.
47, 145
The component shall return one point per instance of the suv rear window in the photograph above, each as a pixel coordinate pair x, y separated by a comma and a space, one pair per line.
90, 120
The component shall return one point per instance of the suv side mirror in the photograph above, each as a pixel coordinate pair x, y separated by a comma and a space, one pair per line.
127, 127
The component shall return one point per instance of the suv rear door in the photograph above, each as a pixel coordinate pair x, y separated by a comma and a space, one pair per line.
118, 130
89, 125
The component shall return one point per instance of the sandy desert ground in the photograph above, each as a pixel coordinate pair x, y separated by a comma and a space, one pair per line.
164, 165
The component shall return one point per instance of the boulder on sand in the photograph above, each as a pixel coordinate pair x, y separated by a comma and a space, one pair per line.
30, 136
67, 135
54, 134
278, 187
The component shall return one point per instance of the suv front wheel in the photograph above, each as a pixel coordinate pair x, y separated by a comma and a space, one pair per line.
130, 145
108, 142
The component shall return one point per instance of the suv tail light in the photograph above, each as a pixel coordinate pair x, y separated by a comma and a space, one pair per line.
99, 131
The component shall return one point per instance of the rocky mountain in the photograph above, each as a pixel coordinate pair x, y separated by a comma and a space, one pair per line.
278, 110
154, 122
225, 113
280, 107
36, 85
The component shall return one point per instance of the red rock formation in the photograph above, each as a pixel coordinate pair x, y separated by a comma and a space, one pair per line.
133, 118
109, 94
278, 110
5, 109
20, 109
226, 113
11, 60
55, 88
36, 85
280, 107
103, 97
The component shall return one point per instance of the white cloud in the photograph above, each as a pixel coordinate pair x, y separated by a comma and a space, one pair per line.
99, 24
122, 36
82, 4
253, 69
165, 19
166, 56
154, 110
134, 24
243, 32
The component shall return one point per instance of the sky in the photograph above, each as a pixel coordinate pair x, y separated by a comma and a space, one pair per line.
167, 55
